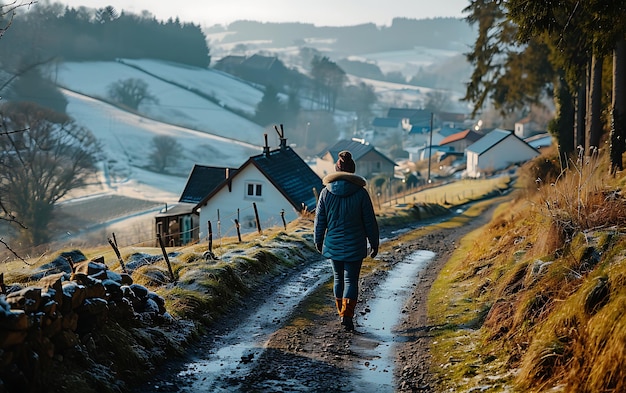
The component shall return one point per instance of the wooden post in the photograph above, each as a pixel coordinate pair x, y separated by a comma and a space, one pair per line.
119, 256
167, 259
282, 216
256, 216
70, 261
210, 237
238, 230
3, 288
219, 225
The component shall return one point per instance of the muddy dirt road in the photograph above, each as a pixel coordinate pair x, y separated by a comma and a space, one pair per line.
266, 346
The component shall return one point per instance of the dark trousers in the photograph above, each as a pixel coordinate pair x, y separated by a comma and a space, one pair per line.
346, 278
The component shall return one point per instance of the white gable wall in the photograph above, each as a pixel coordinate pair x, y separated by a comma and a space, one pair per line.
472, 164
269, 206
510, 150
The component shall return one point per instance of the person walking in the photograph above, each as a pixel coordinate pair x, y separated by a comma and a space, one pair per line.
344, 224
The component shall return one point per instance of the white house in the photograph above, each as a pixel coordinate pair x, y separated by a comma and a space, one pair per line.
495, 151
277, 182
525, 128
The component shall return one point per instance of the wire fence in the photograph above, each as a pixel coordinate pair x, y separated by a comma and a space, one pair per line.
139, 244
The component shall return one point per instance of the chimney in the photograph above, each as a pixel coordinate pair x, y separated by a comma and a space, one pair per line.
230, 183
281, 136
266, 148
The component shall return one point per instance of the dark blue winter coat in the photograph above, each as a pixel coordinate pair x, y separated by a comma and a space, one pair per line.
344, 218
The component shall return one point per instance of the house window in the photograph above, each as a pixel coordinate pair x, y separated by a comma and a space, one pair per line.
254, 190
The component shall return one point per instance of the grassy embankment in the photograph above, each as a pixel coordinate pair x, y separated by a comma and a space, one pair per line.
535, 301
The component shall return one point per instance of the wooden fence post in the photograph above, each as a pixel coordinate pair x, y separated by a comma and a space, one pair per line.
256, 216
282, 215
238, 230
119, 256
219, 225
167, 259
210, 236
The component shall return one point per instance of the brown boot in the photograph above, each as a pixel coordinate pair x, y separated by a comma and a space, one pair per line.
339, 304
348, 313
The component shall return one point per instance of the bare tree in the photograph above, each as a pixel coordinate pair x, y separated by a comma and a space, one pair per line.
39, 165
131, 92
165, 152
329, 80
7, 13
437, 101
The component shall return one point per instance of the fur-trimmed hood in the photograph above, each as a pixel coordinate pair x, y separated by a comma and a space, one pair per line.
343, 183
352, 178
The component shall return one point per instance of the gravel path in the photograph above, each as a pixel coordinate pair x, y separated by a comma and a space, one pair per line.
309, 352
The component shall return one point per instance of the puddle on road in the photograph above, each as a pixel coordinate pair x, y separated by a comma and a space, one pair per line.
376, 375
238, 350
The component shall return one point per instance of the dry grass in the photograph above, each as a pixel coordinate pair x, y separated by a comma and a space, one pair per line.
541, 288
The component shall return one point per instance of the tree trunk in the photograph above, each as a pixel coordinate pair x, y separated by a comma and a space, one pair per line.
594, 122
564, 119
581, 113
618, 126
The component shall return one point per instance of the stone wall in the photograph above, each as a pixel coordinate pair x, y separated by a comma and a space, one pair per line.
67, 301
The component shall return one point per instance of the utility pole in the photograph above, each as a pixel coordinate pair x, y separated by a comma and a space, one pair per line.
430, 146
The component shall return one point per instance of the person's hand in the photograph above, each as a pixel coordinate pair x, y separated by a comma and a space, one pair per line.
374, 252
319, 247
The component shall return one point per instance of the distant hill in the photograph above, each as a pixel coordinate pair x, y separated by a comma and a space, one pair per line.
424, 52
403, 33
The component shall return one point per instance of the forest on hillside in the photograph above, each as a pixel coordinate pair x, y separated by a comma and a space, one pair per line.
46, 32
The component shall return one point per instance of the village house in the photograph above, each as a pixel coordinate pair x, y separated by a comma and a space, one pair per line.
525, 128
418, 120
369, 161
387, 127
461, 140
268, 189
495, 151
264, 70
178, 224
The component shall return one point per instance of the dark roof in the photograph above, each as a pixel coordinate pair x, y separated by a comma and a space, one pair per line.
261, 62
408, 113
232, 59
386, 122
357, 148
203, 180
291, 175
180, 209
451, 117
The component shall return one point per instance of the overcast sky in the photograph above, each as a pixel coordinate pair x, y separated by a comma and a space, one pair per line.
318, 12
